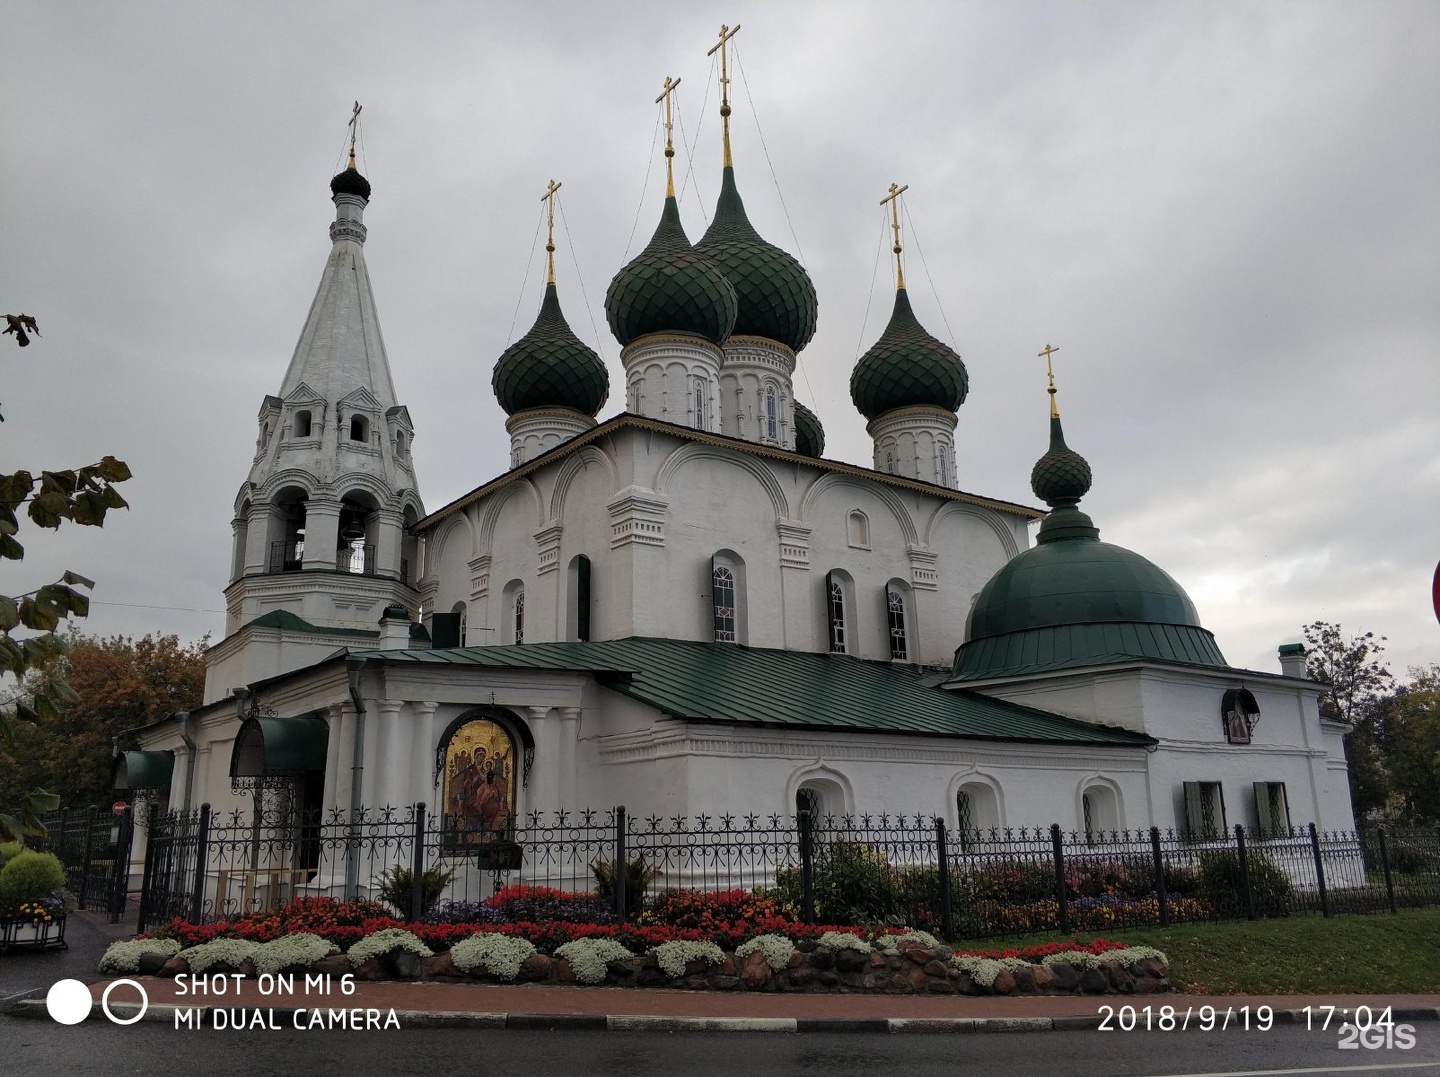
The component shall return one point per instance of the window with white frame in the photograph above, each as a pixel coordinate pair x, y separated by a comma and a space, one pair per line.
857, 530
699, 394
459, 611
1099, 812
977, 814
835, 610
942, 461
772, 414
1205, 810
518, 618
1272, 809
895, 618
722, 593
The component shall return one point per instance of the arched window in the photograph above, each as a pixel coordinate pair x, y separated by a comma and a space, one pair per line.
824, 798
889, 462
835, 610
359, 428
807, 798
722, 592
578, 604
400, 444
700, 404
857, 530
772, 418
942, 461
518, 618
895, 618
459, 612
1099, 811
302, 424
977, 814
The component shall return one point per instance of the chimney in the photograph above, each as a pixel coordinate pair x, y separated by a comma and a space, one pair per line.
395, 628
1292, 660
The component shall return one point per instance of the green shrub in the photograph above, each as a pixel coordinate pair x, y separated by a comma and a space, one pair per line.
855, 884
1219, 881
398, 884
9, 850
638, 877
29, 876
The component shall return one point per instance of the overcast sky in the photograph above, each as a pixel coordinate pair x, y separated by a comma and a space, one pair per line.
1225, 215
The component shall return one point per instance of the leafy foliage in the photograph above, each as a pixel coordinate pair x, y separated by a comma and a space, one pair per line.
83, 496
397, 887
638, 877
1356, 679
30, 876
110, 684
1410, 718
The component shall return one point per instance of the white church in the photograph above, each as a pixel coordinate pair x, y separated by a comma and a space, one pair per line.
688, 608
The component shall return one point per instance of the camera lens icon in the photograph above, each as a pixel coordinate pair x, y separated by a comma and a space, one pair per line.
69, 1002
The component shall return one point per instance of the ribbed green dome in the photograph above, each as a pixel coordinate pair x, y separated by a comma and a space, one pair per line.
1073, 600
1062, 475
550, 367
907, 367
350, 182
669, 288
775, 295
809, 434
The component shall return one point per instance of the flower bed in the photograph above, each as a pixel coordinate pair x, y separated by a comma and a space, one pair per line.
726, 942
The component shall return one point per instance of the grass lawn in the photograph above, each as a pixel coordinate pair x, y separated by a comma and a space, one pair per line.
1375, 954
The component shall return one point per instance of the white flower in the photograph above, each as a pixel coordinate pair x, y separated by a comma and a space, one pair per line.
588, 957
287, 951
776, 948
1082, 959
499, 955
983, 970
228, 952
843, 940
125, 956
890, 944
674, 956
383, 942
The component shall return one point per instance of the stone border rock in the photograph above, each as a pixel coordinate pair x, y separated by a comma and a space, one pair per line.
914, 970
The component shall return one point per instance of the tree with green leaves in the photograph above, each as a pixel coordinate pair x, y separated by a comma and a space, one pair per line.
1356, 683
1412, 747
83, 496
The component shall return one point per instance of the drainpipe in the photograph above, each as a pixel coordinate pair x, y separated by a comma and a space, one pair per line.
353, 665
189, 743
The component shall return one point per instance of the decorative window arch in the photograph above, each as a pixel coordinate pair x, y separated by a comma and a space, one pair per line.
400, 444
698, 401
825, 794
359, 428
942, 466
302, 424
977, 812
772, 414
857, 530
512, 627
459, 611
889, 462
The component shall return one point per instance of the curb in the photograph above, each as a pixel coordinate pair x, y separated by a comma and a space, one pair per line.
35, 1009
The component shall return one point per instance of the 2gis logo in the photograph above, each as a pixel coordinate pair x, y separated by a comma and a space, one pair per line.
69, 1002
1387, 1036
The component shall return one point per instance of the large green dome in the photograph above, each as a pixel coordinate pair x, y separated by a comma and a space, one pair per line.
809, 434
550, 367
1073, 600
669, 288
776, 298
907, 367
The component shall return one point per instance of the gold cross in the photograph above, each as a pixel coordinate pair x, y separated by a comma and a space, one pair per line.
549, 199
1050, 373
670, 85
726, 33
354, 126
894, 199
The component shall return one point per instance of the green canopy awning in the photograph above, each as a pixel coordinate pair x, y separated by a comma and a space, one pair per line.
272, 746
142, 770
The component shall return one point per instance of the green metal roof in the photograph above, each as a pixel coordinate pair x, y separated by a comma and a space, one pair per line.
669, 288
142, 770
775, 296
550, 367
809, 433
1055, 647
724, 682
907, 367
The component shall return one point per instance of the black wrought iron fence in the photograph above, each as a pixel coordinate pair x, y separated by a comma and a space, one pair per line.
867, 869
94, 845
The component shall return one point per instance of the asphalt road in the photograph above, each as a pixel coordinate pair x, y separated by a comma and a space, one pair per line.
95, 1047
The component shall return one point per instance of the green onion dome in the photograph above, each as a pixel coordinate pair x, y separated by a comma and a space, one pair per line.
669, 288
1072, 600
550, 367
350, 182
809, 434
776, 297
907, 367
